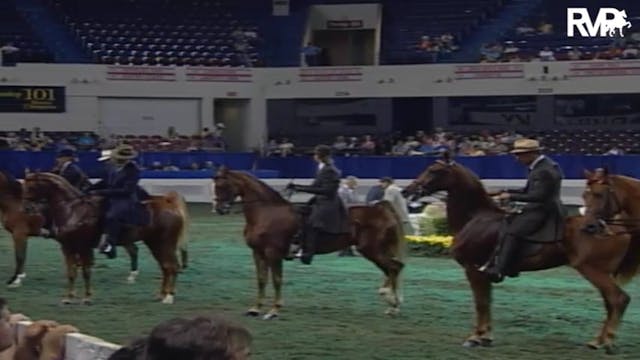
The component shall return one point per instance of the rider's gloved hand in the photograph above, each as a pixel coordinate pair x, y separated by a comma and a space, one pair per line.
291, 186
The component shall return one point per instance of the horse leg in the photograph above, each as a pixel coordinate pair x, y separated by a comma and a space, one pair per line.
615, 300
184, 257
72, 273
275, 265
262, 274
391, 268
481, 288
166, 259
87, 263
132, 250
20, 249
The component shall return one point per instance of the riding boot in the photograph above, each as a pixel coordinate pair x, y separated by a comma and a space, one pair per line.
503, 259
109, 240
309, 247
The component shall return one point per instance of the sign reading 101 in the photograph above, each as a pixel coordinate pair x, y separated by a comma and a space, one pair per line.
32, 99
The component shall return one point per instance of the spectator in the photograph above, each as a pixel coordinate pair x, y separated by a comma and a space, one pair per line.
574, 54
375, 194
86, 141
545, 28
400, 148
368, 145
9, 54
340, 144
393, 194
172, 133
615, 150
311, 55
348, 195
525, 29
203, 337
546, 54
631, 52
286, 147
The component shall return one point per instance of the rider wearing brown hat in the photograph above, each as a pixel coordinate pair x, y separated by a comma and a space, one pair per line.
120, 189
328, 214
542, 207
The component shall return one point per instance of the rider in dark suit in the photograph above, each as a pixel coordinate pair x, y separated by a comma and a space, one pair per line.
68, 169
543, 206
328, 214
119, 187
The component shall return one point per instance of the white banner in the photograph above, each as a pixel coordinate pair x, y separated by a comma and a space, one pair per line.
612, 120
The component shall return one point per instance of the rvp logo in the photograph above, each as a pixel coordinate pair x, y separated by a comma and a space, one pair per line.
608, 21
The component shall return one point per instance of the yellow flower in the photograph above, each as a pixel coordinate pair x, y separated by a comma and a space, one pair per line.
432, 240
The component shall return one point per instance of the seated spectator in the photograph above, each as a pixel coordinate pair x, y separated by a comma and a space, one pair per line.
340, 144
86, 141
200, 338
545, 28
272, 147
525, 29
614, 151
400, 148
546, 54
631, 52
172, 133
574, 54
368, 145
285, 148
9, 54
311, 55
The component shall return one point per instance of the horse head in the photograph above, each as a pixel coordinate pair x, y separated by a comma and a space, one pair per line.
226, 190
39, 185
9, 185
601, 202
439, 176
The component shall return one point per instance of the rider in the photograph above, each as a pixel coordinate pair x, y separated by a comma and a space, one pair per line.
120, 189
328, 214
542, 207
68, 169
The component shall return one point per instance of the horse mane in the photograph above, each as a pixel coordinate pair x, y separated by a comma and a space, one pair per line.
260, 187
60, 182
14, 187
476, 188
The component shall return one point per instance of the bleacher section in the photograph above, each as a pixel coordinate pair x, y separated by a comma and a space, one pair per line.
14, 29
555, 13
405, 22
167, 33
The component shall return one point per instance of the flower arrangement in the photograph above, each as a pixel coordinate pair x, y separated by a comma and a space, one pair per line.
433, 238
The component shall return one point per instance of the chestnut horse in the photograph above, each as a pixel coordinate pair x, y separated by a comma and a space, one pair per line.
475, 220
77, 218
22, 223
272, 222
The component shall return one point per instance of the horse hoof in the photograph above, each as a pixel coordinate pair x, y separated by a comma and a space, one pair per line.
252, 313
392, 311
594, 344
611, 349
16, 281
270, 316
383, 291
66, 301
168, 299
131, 279
471, 343
87, 301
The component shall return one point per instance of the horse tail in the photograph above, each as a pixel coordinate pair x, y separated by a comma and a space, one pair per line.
399, 250
630, 264
180, 205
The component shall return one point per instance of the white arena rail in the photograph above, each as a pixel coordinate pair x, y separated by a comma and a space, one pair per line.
79, 346
197, 190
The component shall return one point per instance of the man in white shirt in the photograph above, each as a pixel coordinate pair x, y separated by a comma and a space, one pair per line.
393, 194
347, 193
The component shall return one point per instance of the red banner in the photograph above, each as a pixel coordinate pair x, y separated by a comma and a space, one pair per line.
319, 74
605, 68
219, 74
141, 73
489, 71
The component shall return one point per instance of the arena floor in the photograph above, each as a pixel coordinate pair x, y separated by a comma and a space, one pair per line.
332, 310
